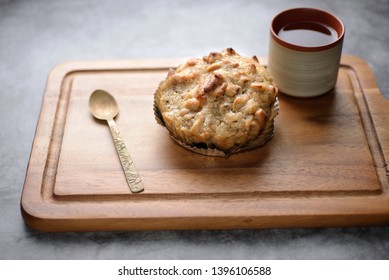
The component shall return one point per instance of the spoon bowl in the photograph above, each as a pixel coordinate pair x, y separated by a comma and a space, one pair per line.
103, 106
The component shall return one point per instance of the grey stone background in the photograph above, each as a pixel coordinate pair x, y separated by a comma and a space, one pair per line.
37, 35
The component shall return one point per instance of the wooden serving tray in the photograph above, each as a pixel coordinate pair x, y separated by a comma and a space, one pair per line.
325, 166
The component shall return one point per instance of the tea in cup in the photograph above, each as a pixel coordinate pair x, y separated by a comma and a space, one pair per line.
304, 51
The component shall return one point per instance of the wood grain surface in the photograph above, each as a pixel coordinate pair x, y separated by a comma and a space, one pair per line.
325, 166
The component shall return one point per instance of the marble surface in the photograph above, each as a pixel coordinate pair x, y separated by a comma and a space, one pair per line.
37, 35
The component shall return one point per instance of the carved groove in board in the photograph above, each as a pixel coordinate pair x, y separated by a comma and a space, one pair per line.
54, 149
376, 151
58, 130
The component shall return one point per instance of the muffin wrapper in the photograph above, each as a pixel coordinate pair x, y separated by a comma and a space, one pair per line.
266, 134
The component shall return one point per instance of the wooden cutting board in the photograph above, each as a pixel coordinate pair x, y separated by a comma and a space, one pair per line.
325, 166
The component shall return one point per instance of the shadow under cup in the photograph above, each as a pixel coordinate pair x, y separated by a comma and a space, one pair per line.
304, 51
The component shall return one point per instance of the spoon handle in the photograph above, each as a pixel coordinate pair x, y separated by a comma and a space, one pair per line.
133, 179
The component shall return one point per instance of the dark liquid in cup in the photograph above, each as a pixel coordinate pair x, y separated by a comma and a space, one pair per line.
308, 34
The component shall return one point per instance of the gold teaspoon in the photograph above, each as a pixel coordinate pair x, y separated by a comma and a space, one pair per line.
103, 106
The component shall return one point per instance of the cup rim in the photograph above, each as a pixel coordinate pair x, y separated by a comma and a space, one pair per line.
306, 14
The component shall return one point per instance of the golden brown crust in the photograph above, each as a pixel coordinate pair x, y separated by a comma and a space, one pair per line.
223, 100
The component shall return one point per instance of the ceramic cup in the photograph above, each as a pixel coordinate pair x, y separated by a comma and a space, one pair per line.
302, 64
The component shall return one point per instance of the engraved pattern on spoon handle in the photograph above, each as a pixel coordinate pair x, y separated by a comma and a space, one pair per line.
133, 179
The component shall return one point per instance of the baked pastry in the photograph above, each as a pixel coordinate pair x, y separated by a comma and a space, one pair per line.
219, 104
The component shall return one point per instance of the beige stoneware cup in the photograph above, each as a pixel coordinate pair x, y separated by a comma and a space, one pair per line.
301, 70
